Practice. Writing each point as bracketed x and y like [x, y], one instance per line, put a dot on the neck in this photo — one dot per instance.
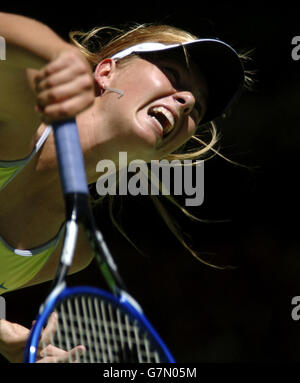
[98, 140]
[97, 143]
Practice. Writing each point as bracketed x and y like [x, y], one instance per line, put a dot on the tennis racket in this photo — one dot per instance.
[83, 323]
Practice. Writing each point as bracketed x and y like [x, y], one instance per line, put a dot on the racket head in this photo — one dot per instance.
[118, 333]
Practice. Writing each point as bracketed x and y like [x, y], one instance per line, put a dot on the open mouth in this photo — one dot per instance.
[164, 118]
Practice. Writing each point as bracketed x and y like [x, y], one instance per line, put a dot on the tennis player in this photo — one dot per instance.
[144, 92]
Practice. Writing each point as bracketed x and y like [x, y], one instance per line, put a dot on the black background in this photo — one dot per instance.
[205, 314]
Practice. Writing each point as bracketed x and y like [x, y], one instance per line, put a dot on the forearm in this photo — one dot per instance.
[29, 43]
[12, 340]
[3, 343]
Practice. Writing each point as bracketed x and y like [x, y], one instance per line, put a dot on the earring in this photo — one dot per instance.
[119, 92]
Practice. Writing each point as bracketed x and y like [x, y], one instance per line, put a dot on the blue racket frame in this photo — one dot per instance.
[123, 302]
[74, 187]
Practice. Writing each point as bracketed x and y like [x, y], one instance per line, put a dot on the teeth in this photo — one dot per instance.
[166, 113]
[167, 123]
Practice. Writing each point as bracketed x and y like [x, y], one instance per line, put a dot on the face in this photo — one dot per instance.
[163, 103]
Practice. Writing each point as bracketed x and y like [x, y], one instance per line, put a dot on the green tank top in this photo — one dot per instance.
[17, 267]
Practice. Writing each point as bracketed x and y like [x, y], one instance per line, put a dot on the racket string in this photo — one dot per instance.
[108, 334]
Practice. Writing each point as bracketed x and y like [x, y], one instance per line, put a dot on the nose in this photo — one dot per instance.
[186, 101]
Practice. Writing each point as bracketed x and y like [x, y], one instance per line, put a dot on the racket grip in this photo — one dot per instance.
[70, 158]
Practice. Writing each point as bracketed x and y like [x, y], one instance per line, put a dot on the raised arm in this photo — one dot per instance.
[29, 43]
[34, 53]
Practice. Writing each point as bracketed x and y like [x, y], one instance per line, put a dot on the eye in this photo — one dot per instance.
[172, 74]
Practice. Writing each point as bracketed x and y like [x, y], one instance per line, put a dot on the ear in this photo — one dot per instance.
[103, 74]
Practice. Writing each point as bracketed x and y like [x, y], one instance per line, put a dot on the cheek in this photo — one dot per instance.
[151, 83]
[130, 128]
[192, 129]
[188, 130]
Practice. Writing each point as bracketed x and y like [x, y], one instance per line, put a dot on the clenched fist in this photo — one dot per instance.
[64, 87]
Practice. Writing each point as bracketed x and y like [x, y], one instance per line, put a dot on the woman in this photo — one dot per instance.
[146, 101]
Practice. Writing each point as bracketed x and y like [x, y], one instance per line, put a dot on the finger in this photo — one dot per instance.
[68, 108]
[51, 351]
[54, 66]
[50, 329]
[53, 80]
[65, 90]
[53, 354]
[75, 354]
[61, 77]
[67, 60]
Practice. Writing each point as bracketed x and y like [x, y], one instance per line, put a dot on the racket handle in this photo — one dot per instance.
[70, 158]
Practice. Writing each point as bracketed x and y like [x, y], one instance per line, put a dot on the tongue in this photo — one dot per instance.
[163, 121]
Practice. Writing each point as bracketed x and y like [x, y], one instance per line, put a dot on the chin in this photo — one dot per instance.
[148, 134]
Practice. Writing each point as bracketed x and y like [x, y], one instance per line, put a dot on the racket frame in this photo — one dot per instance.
[125, 300]
[78, 211]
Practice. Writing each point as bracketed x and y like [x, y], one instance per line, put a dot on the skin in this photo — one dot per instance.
[107, 124]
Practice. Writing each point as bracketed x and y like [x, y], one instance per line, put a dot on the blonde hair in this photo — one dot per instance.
[104, 42]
